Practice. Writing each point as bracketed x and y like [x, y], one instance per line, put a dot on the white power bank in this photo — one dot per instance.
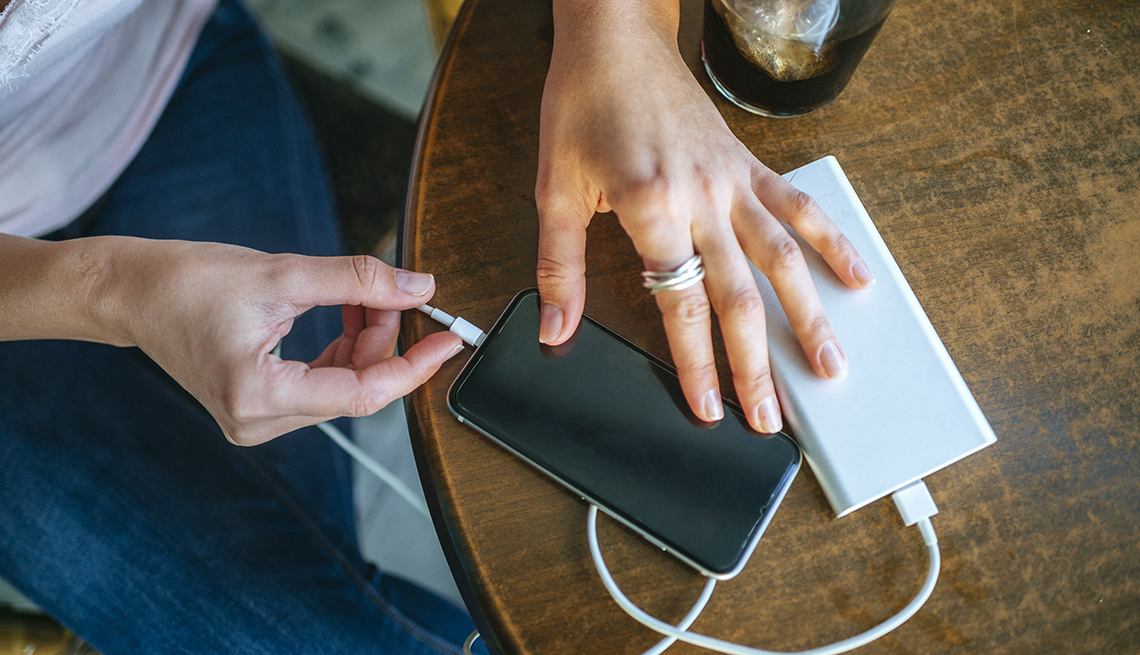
[903, 411]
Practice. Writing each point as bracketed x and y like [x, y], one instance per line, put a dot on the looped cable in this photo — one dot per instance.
[681, 634]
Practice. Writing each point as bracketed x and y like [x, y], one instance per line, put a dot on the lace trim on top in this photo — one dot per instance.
[24, 26]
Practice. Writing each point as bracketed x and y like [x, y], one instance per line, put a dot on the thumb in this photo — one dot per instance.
[359, 280]
[561, 270]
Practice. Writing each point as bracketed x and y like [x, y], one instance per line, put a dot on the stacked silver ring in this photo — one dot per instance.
[683, 277]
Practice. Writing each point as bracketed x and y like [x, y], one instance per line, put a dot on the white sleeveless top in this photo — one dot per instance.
[82, 83]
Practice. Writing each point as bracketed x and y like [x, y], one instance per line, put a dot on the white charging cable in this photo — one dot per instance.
[914, 504]
[376, 468]
[470, 334]
[660, 646]
[470, 642]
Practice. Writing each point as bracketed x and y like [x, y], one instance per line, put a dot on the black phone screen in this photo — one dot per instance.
[609, 421]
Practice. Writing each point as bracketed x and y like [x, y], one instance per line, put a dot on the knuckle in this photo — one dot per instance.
[367, 406]
[709, 185]
[654, 206]
[691, 309]
[238, 407]
[802, 205]
[743, 305]
[818, 327]
[373, 397]
[368, 270]
[836, 242]
[654, 188]
[238, 428]
[702, 372]
[548, 197]
[785, 254]
[553, 272]
[653, 193]
[560, 201]
[753, 381]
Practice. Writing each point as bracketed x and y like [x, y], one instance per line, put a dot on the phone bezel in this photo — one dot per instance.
[614, 512]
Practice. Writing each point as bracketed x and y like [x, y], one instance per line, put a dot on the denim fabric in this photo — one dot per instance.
[124, 512]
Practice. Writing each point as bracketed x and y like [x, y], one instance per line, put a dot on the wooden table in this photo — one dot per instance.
[997, 147]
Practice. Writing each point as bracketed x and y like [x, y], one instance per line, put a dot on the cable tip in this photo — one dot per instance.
[914, 502]
[469, 333]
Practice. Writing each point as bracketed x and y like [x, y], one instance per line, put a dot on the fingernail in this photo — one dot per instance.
[412, 283]
[551, 325]
[770, 421]
[454, 351]
[862, 274]
[832, 361]
[713, 410]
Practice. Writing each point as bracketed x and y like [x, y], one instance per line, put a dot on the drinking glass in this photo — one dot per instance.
[787, 57]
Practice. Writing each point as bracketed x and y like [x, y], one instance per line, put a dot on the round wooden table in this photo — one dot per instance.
[997, 147]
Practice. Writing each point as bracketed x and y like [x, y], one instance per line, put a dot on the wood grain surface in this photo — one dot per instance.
[995, 145]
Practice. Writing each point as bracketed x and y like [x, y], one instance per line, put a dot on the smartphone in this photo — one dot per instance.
[609, 421]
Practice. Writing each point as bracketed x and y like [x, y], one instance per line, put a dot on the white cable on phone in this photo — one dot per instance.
[915, 505]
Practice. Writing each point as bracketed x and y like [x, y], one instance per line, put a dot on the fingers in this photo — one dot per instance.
[377, 341]
[688, 326]
[561, 269]
[778, 256]
[369, 336]
[333, 391]
[740, 311]
[665, 242]
[295, 395]
[685, 314]
[796, 208]
[733, 295]
[281, 396]
[370, 294]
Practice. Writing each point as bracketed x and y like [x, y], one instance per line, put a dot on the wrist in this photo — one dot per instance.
[102, 268]
[87, 269]
[615, 24]
[53, 290]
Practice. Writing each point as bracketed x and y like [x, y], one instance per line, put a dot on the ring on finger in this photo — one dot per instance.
[682, 277]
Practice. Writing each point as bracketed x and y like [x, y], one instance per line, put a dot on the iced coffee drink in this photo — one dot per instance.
[787, 57]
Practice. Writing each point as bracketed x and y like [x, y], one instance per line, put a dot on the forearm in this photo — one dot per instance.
[55, 290]
[604, 22]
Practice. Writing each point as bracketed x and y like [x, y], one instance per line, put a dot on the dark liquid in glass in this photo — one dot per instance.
[754, 86]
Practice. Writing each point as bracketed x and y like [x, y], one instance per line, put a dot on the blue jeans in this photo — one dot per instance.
[124, 512]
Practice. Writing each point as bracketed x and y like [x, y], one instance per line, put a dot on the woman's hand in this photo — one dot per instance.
[626, 127]
[211, 315]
